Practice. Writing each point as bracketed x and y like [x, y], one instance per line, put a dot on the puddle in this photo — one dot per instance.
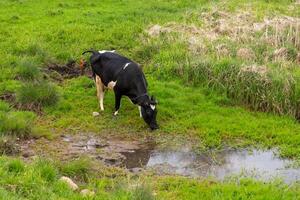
[262, 165]
[137, 155]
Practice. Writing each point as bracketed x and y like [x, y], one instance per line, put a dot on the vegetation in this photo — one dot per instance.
[275, 91]
[16, 123]
[40, 180]
[27, 71]
[225, 73]
[36, 95]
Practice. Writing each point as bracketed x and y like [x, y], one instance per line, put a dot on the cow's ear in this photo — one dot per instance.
[95, 57]
[153, 100]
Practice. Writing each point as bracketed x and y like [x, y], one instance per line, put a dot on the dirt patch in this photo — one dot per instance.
[111, 151]
[8, 97]
[71, 69]
[11, 99]
[8, 146]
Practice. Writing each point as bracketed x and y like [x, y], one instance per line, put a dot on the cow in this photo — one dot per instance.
[122, 75]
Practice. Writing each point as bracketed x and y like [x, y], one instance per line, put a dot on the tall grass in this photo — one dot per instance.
[142, 192]
[18, 123]
[257, 87]
[79, 168]
[27, 71]
[32, 95]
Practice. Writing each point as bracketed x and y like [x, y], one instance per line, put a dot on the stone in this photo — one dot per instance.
[95, 114]
[87, 193]
[136, 170]
[69, 182]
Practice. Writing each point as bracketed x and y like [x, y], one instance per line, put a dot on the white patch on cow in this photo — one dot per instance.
[111, 84]
[104, 51]
[140, 111]
[116, 112]
[126, 65]
[152, 107]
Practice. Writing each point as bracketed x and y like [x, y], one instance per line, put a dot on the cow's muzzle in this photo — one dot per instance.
[154, 126]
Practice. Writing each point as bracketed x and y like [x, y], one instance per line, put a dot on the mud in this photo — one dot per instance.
[8, 97]
[145, 155]
[112, 151]
[71, 69]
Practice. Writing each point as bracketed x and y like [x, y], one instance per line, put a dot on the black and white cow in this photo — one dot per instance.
[125, 78]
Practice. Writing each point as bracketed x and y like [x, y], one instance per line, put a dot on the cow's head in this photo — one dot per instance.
[149, 112]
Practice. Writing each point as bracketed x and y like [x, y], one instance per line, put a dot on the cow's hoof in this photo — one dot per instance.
[116, 113]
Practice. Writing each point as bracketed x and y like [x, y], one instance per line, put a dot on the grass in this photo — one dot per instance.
[28, 71]
[36, 95]
[19, 180]
[255, 87]
[16, 123]
[206, 89]
[79, 169]
[142, 192]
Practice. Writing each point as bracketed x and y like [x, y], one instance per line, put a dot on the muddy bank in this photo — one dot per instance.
[112, 151]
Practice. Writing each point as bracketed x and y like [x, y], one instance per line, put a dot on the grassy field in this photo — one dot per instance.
[225, 73]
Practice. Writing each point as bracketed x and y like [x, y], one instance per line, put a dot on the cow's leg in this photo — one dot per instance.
[117, 102]
[100, 91]
[140, 111]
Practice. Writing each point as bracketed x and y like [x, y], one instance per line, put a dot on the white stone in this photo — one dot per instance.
[95, 114]
[69, 182]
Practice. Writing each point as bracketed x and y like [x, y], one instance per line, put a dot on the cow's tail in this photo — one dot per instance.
[90, 51]
[82, 63]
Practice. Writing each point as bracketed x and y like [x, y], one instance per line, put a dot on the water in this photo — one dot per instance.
[262, 165]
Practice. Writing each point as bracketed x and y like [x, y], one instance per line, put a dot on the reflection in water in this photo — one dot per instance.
[137, 158]
[263, 165]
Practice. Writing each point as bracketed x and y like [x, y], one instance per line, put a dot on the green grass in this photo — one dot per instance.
[16, 123]
[27, 71]
[203, 94]
[255, 87]
[36, 94]
[79, 169]
[40, 180]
